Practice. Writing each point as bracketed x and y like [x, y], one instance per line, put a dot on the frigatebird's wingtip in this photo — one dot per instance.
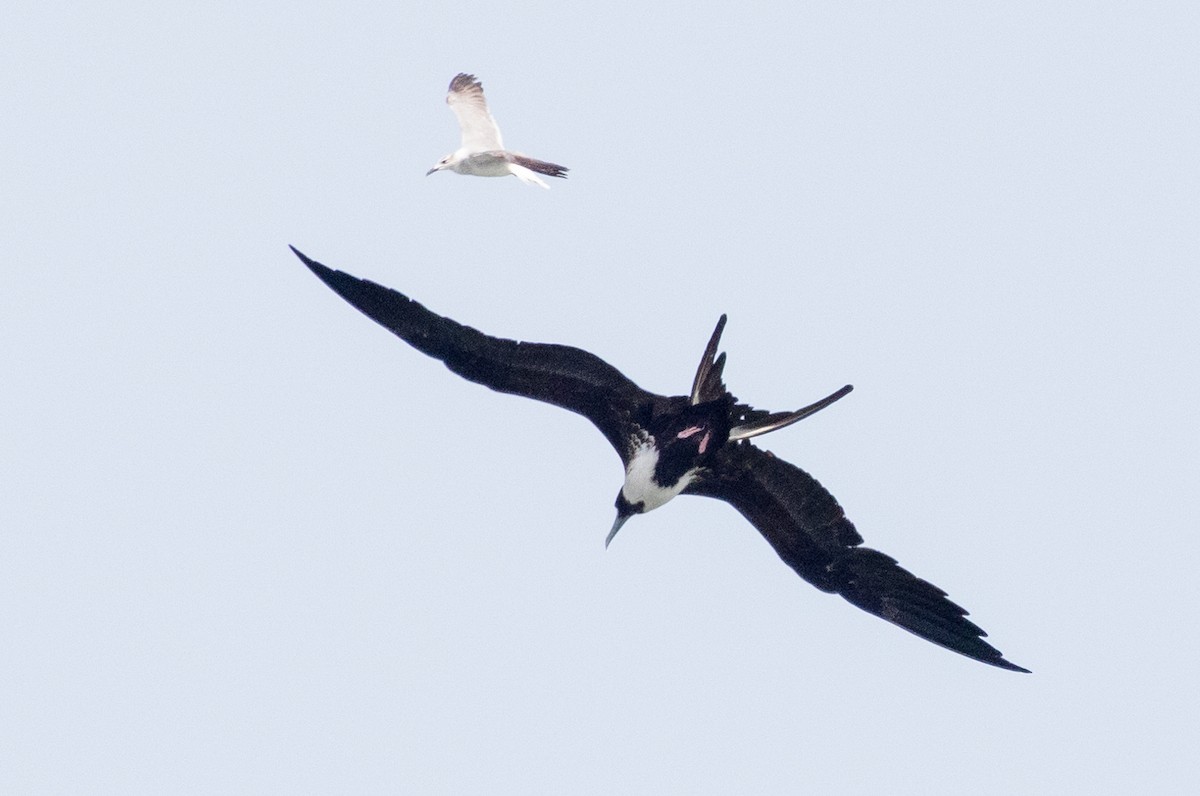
[998, 661]
[304, 258]
[323, 272]
[1012, 667]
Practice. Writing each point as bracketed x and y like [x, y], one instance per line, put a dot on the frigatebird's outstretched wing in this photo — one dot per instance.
[809, 530]
[557, 374]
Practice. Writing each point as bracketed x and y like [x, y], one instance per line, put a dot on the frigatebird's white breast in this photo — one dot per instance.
[700, 440]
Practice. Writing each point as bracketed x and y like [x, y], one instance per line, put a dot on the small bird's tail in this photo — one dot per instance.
[527, 176]
[540, 166]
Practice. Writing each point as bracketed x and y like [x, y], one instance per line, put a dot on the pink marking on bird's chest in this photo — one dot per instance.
[692, 431]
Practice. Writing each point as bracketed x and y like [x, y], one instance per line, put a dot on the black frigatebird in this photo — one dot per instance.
[694, 444]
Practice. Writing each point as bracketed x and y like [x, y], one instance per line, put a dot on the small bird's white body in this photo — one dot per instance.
[490, 164]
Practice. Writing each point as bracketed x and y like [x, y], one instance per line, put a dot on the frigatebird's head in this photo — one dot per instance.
[673, 447]
[671, 452]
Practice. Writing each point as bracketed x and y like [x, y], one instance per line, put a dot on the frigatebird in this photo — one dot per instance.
[695, 444]
[482, 153]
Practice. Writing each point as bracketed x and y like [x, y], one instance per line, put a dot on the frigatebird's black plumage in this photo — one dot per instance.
[695, 444]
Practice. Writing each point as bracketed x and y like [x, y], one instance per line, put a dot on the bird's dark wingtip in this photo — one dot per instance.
[964, 637]
[958, 634]
[322, 271]
[1012, 667]
[876, 583]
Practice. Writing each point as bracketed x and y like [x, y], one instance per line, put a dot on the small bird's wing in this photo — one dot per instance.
[810, 532]
[479, 129]
[557, 374]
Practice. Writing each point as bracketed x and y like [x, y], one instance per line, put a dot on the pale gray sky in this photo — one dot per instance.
[250, 542]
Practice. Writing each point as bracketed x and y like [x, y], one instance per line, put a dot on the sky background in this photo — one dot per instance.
[250, 542]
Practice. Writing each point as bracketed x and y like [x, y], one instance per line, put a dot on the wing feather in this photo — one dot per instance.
[479, 130]
[810, 532]
[561, 375]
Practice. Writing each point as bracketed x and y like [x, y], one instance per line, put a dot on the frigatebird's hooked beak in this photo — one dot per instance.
[625, 510]
[621, 518]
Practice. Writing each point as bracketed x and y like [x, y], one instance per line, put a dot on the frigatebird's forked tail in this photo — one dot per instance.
[709, 386]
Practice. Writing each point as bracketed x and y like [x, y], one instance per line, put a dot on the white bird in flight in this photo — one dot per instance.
[482, 153]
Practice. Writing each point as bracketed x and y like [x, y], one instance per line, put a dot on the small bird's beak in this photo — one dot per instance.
[431, 171]
[616, 527]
